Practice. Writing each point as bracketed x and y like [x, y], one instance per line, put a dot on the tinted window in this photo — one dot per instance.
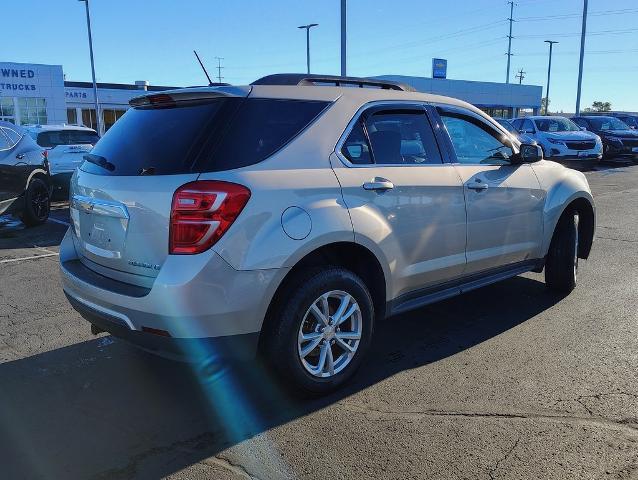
[356, 148]
[55, 138]
[608, 123]
[260, 128]
[204, 136]
[400, 137]
[528, 126]
[581, 122]
[631, 121]
[517, 123]
[475, 142]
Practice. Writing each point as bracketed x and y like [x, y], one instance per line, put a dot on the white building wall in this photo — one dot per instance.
[26, 80]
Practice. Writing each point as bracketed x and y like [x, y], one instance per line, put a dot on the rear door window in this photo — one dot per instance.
[55, 138]
[215, 135]
[402, 137]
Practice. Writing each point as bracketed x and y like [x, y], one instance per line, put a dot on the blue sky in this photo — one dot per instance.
[153, 40]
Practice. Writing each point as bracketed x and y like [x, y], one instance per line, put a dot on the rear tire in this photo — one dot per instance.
[310, 350]
[561, 267]
[37, 203]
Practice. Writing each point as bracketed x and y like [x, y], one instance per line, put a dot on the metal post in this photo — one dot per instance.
[343, 38]
[308, 27]
[582, 55]
[509, 46]
[549, 73]
[98, 118]
[308, 50]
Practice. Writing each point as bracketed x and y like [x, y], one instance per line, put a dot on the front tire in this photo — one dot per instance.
[561, 267]
[37, 203]
[321, 331]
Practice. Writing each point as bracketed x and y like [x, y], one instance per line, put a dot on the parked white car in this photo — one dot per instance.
[562, 140]
[65, 147]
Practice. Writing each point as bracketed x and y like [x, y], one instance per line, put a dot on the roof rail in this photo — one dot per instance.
[306, 79]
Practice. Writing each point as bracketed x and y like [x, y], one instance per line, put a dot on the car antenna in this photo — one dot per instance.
[210, 82]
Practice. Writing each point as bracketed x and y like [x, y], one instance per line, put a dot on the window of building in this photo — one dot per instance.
[33, 111]
[71, 116]
[111, 116]
[7, 110]
[88, 118]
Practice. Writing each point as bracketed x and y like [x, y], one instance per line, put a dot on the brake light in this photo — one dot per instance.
[202, 212]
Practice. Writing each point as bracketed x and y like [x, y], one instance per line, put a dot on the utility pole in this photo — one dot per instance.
[582, 55]
[549, 74]
[307, 28]
[98, 119]
[520, 76]
[219, 69]
[343, 38]
[509, 46]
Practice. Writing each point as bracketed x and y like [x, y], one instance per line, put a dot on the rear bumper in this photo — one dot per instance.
[195, 300]
[243, 347]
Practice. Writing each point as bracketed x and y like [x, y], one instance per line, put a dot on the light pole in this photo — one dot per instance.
[307, 28]
[343, 38]
[98, 119]
[582, 55]
[549, 73]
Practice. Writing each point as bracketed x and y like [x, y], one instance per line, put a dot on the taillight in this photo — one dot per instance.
[202, 212]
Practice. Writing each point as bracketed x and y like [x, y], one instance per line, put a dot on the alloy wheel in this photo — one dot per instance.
[329, 334]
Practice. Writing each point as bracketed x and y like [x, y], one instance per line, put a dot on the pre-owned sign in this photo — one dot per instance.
[13, 79]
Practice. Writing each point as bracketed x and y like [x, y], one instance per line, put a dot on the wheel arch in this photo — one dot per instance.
[586, 223]
[353, 256]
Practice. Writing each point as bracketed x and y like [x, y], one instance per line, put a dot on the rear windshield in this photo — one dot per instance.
[220, 134]
[55, 138]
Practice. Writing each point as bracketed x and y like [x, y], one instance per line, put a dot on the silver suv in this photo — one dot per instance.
[288, 216]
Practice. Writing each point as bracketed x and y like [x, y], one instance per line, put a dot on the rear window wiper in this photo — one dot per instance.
[100, 161]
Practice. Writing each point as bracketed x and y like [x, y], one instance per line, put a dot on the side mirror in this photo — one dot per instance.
[528, 153]
[583, 128]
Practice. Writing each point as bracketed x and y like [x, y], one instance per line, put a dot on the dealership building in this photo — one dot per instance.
[39, 94]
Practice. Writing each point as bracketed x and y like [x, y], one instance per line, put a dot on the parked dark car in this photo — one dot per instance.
[618, 138]
[25, 187]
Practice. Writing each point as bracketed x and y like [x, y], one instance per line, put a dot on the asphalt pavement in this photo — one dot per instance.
[509, 381]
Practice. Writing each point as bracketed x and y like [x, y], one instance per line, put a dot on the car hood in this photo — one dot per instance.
[621, 133]
[571, 136]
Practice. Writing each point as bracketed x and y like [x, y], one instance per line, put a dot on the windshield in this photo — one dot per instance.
[608, 123]
[556, 125]
[55, 138]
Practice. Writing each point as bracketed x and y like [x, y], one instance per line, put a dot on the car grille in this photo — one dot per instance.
[586, 145]
[630, 143]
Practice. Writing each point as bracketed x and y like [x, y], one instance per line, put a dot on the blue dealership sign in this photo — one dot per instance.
[439, 68]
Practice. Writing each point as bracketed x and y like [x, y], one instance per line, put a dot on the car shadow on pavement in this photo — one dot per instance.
[101, 409]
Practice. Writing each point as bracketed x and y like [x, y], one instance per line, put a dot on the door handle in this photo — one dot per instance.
[379, 184]
[20, 156]
[478, 186]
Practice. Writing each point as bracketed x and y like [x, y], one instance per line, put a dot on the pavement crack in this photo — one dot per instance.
[492, 471]
[626, 425]
[235, 468]
[131, 469]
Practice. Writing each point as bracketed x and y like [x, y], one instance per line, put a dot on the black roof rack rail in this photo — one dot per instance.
[308, 79]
